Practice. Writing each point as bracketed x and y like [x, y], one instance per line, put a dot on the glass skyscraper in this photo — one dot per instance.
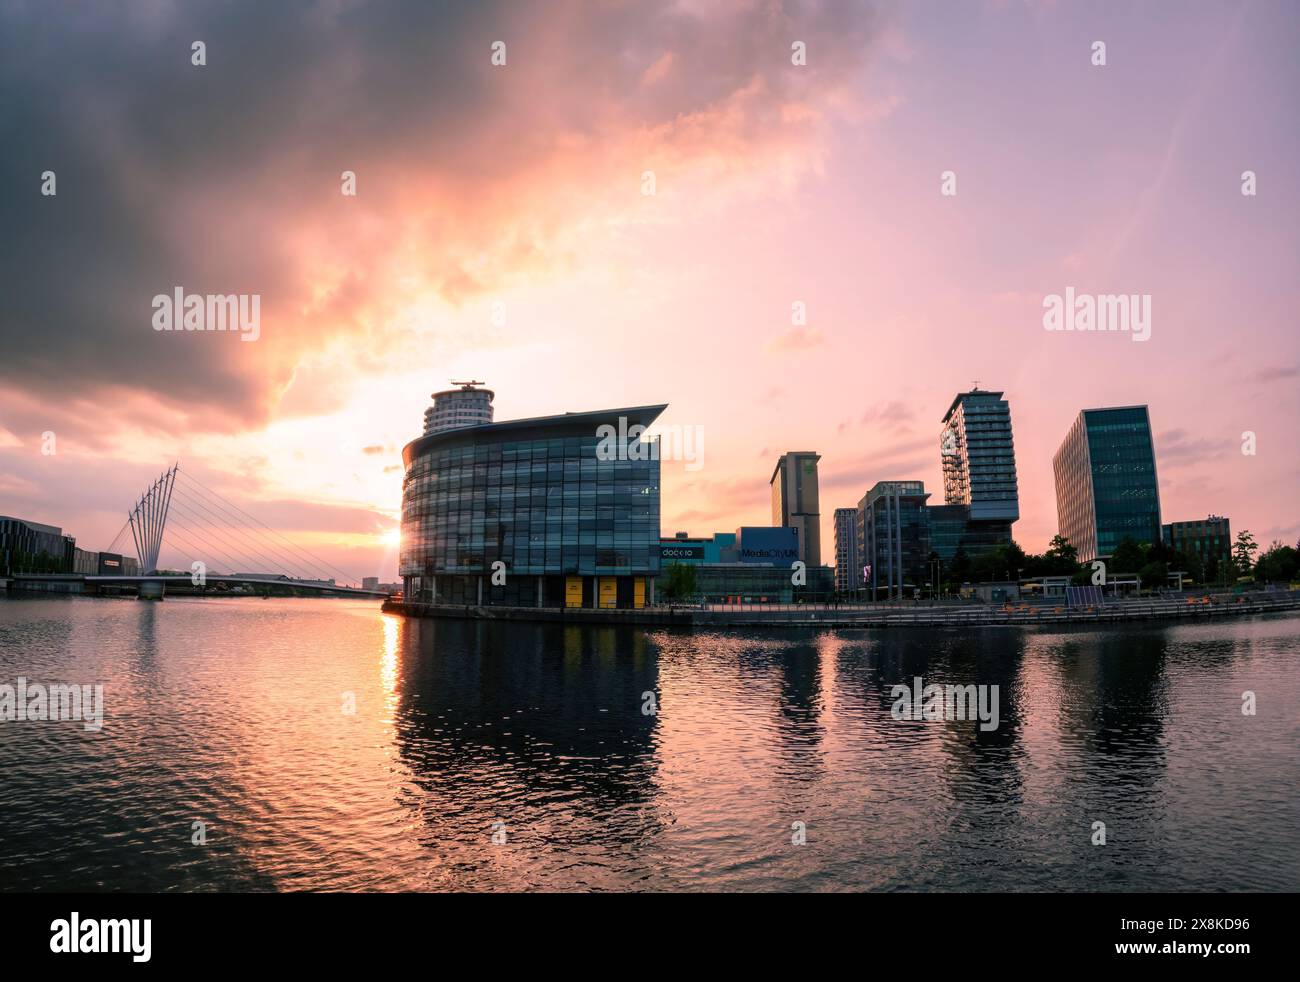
[1106, 487]
[569, 515]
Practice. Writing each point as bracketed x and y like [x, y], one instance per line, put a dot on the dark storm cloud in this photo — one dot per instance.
[105, 96]
[212, 178]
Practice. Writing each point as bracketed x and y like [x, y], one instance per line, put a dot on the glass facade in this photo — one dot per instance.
[893, 536]
[750, 583]
[536, 496]
[952, 529]
[898, 533]
[1106, 485]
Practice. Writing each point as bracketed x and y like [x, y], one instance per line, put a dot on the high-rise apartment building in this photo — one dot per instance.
[848, 573]
[795, 501]
[979, 457]
[452, 408]
[1106, 487]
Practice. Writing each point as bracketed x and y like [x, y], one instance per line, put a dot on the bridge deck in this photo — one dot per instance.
[209, 578]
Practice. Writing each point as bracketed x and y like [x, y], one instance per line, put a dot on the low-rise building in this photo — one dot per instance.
[754, 564]
[905, 543]
[27, 546]
[1206, 538]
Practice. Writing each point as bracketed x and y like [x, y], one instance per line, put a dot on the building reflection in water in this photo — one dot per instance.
[536, 732]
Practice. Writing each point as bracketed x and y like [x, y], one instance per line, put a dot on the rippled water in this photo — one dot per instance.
[231, 712]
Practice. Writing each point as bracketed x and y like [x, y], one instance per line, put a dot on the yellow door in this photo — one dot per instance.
[608, 591]
[573, 591]
[638, 592]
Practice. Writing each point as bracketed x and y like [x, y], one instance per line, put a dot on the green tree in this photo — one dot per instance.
[1154, 575]
[1243, 554]
[1060, 559]
[1003, 563]
[1279, 564]
[1128, 557]
[959, 572]
[1174, 560]
[1063, 547]
[679, 582]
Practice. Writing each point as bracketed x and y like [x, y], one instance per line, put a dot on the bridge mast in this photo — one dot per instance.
[148, 519]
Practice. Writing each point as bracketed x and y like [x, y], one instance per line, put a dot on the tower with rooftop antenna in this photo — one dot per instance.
[466, 405]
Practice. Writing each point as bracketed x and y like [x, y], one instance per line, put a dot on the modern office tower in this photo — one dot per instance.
[571, 524]
[893, 539]
[1106, 487]
[848, 574]
[466, 406]
[795, 504]
[1206, 538]
[979, 457]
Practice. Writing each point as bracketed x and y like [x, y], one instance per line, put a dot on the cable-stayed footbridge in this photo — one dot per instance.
[219, 544]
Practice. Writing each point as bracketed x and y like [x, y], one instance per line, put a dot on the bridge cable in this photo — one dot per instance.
[316, 561]
[211, 549]
[219, 521]
[313, 561]
[244, 556]
[198, 551]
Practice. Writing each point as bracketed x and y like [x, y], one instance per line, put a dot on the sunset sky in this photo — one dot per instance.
[523, 184]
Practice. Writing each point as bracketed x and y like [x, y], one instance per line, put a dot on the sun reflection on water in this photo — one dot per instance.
[388, 661]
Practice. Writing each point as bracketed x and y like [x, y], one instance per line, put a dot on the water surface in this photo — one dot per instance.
[232, 713]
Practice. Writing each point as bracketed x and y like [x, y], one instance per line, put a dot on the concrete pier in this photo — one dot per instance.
[718, 616]
[152, 589]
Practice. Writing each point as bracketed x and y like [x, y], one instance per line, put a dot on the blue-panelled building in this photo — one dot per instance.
[1106, 484]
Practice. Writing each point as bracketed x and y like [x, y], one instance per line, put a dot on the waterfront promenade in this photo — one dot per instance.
[957, 614]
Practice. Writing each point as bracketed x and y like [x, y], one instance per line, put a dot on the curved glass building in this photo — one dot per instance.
[546, 512]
